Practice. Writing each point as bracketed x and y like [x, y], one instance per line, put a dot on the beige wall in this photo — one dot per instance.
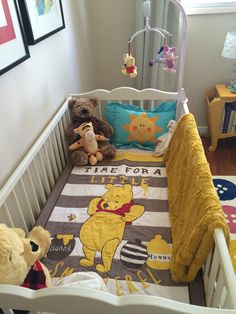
[204, 65]
[32, 91]
[112, 23]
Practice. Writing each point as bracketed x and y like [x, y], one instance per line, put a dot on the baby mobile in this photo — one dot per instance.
[165, 55]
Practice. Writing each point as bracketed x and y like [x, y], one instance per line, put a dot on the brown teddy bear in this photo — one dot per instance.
[82, 110]
[19, 257]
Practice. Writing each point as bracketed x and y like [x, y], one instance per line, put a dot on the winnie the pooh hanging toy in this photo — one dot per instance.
[129, 67]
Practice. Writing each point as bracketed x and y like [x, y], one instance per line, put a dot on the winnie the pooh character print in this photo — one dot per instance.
[104, 229]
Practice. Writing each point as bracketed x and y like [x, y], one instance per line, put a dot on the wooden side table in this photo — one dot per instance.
[215, 102]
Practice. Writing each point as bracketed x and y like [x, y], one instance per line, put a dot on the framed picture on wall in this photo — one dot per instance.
[41, 18]
[13, 47]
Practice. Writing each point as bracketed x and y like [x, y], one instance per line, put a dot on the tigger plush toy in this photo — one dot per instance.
[89, 141]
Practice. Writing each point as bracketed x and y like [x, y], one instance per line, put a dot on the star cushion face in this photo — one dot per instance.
[134, 127]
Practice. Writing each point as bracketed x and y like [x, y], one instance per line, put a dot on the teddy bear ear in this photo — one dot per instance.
[71, 103]
[20, 232]
[94, 102]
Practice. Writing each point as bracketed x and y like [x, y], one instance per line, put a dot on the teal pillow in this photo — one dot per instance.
[135, 127]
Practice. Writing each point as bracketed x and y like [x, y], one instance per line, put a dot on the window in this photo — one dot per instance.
[209, 6]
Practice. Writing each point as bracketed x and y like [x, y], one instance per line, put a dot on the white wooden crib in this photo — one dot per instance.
[27, 190]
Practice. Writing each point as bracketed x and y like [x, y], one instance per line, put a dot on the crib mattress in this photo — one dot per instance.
[113, 218]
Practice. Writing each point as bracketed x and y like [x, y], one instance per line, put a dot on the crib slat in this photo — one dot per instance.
[18, 208]
[218, 290]
[41, 189]
[36, 202]
[49, 169]
[30, 212]
[207, 267]
[212, 278]
[60, 148]
[65, 127]
[10, 222]
[227, 304]
[63, 141]
[46, 181]
[141, 104]
[64, 121]
[57, 152]
[152, 104]
[99, 109]
[67, 116]
[53, 164]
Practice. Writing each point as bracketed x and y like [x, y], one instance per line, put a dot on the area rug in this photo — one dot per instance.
[226, 189]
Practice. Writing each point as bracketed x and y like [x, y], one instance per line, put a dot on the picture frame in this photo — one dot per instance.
[41, 19]
[13, 46]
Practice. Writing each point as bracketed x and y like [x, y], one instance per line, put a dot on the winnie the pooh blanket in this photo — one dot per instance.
[113, 219]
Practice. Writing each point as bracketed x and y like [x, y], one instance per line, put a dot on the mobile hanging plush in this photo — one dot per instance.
[129, 67]
[159, 55]
[169, 58]
[166, 55]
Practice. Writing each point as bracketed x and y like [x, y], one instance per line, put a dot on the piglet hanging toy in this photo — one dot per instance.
[169, 58]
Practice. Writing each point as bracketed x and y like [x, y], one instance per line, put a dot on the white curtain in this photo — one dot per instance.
[145, 46]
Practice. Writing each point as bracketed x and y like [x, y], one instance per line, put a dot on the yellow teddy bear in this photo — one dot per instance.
[129, 67]
[104, 230]
[20, 255]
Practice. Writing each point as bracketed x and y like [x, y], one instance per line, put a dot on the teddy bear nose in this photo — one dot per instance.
[125, 64]
[34, 246]
[105, 205]
[84, 111]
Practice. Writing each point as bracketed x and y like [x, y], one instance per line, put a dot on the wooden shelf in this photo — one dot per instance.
[225, 135]
[215, 103]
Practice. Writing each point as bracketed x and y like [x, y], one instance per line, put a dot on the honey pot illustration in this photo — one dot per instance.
[159, 253]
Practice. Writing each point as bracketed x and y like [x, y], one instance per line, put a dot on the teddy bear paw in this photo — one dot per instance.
[86, 262]
[108, 151]
[101, 268]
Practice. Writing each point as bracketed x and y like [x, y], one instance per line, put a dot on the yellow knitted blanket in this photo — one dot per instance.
[194, 206]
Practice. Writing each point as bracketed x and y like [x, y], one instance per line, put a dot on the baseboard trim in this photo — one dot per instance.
[203, 130]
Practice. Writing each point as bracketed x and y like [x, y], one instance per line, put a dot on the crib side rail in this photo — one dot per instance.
[219, 278]
[128, 93]
[72, 300]
[25, 193]
[146, 99]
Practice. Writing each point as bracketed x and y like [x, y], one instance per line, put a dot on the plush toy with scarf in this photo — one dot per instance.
[19, 257]
[20, 261]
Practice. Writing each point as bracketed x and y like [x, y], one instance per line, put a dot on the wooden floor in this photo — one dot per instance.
[223, 160]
